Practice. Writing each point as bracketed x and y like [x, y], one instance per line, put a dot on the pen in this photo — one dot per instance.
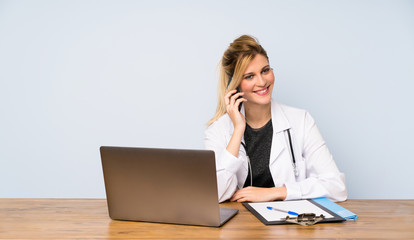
[281, 210]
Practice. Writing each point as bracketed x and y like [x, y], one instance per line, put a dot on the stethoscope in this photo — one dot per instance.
[291, 153]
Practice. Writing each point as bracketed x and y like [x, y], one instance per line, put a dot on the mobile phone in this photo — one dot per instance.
[240, 105]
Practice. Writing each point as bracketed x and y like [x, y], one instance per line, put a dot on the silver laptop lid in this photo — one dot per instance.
[161, 185]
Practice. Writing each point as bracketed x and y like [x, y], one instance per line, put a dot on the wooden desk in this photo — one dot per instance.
[88, 218]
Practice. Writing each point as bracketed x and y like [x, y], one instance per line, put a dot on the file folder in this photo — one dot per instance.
[341, 211]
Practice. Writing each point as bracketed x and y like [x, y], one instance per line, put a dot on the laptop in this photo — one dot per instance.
[163, 185]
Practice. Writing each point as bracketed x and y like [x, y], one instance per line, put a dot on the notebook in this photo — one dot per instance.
[162, 185]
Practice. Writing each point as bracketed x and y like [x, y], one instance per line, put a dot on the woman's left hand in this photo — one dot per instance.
[258, 194]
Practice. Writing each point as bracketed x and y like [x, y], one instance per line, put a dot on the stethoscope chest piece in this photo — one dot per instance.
[295, 170]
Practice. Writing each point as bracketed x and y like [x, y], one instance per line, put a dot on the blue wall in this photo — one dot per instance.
[75, 75]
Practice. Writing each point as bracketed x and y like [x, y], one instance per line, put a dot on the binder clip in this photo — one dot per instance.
[305, 219]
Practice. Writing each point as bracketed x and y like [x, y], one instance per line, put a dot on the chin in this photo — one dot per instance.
[262, 101]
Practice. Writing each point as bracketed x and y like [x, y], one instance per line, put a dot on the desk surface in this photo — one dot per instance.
[88, 218]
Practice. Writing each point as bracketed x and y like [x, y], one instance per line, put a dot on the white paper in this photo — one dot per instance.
[298, 206]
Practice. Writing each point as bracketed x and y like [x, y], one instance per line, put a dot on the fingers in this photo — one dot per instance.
[227, 96]
[231, 96]
[235, 96]
[257, 194]
[233, 99]
[235, 198]
[239, 101]
[242, 195]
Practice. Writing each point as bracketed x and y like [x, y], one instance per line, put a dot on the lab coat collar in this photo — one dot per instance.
[279, 120]
[280, 124]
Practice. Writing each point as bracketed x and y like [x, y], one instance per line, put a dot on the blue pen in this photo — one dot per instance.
[281, 210]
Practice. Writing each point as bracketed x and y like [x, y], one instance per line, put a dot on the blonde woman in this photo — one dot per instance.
[265, 151]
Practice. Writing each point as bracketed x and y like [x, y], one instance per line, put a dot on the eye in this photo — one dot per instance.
[248, 77]
[266, 70]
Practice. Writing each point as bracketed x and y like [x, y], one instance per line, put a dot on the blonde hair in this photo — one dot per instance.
[232, 66]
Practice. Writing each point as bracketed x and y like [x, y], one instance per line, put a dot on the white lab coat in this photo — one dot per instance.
[317, 174]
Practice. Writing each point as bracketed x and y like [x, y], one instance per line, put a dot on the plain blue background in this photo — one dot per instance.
[75, 75]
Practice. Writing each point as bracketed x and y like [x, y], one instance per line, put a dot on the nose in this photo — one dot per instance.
[260, 80]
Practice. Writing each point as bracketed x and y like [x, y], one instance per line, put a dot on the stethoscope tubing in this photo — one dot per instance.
[291, 148]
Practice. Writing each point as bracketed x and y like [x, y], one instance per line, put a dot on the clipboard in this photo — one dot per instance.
[269, 217]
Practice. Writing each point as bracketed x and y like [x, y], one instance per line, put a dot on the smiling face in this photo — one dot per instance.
[257, 81]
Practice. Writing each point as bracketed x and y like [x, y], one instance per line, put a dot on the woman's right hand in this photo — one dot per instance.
[232, 101]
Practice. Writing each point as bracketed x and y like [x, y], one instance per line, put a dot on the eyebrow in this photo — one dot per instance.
[252, 72]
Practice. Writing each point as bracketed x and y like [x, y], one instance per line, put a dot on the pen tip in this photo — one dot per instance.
[270, 208]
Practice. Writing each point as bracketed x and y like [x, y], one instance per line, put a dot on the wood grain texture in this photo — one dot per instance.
[88, 219]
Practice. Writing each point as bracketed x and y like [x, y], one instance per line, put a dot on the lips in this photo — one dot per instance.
[262, 92]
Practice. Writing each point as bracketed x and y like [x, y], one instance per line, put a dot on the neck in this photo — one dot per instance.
[257, 115]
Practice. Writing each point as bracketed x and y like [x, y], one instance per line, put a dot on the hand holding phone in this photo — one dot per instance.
[233, 101]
